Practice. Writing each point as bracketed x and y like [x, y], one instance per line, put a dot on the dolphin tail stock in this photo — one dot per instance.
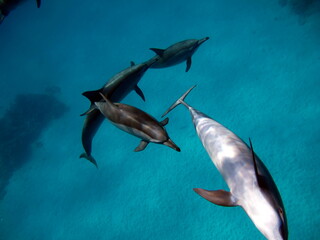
[90, 158]
[179, 101]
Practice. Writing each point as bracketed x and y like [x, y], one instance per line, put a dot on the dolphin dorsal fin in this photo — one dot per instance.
[164, 121]
[158, 51]
[218, 197]
[253, 158]
[132, 63]
[260, 179]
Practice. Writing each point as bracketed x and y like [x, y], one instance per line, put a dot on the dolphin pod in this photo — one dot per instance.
[6, 6]
[118, 87]
[250, 183]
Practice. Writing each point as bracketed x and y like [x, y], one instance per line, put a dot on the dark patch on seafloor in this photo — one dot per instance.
[20, 127]
[303, 8]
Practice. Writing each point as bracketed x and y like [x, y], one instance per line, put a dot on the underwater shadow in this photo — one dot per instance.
[303, 8]
[20, 127]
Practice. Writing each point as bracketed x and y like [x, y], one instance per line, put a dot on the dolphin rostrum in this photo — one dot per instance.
[6, 6]
[250, 183]
[118, 87]
[177, 53]
[137, 123]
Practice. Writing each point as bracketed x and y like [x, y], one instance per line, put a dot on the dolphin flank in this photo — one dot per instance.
[250, 183]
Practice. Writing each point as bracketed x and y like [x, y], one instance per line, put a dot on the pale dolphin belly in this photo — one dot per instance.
[229, 153]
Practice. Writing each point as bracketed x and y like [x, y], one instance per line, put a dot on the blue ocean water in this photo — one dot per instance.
[258, 75]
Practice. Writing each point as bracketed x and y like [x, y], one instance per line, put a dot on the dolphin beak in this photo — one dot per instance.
[171, 144]
[203, 40]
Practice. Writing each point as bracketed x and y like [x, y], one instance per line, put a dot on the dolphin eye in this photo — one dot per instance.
[280, 211]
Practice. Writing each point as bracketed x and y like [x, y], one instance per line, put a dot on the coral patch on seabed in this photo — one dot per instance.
[20, 127]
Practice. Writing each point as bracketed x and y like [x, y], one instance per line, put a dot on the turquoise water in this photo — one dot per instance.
[258, 75]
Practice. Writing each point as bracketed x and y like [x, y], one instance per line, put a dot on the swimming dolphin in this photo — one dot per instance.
[251, 185]
[137, 123]
[177, 53]
[6, 6]
[118, 87]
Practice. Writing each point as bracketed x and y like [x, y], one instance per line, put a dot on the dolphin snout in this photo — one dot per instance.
[171, 144]
[203, 40]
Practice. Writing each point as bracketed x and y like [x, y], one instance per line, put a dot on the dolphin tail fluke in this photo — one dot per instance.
[158, 51]
[219, 197]
[38, 3]
[179, 101]
[93, 96]
[90, 158]
[171, 144]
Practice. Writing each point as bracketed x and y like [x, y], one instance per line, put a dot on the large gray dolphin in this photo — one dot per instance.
[137, 123]
[118, 87]
[6, 6]
[177, 53]
[250, 183]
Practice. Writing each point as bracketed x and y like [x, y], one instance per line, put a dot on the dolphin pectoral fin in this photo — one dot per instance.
[188, 64]
[90, 158]
[158, 51]
[38, 3]
[139, 92]
[143, 144]
[164, 121]
[219, 197]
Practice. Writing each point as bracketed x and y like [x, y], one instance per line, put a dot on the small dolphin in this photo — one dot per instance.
[251, 185]
[137, 123]
[177, 53]
[6, 6]
[118, 87]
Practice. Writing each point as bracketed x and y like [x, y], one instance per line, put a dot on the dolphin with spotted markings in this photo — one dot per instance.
[137, 123]
[177, 53]
[250, 183]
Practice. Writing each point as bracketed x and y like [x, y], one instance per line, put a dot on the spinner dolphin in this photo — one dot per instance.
[177, 53]
[250, 183]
